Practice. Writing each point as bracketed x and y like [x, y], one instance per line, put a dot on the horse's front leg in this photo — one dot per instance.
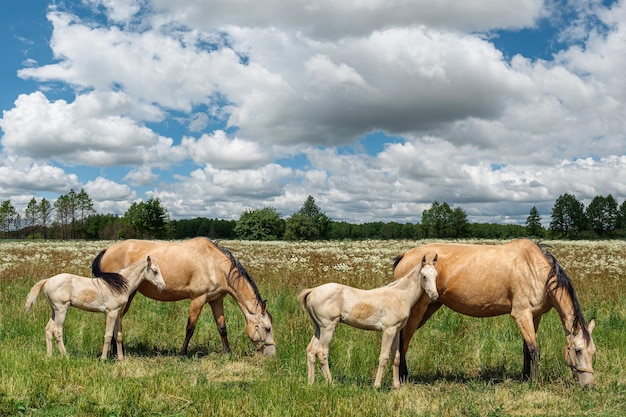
[526, 324]
[115, 347]
[108, 332]
[195, 308]
[421, 311]
[117, 331]
[217, 307]
[395, 351]
[531, 359]
[388, 337]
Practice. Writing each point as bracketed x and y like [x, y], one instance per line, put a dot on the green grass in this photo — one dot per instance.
[458, 365]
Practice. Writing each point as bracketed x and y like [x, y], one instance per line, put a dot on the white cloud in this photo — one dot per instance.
[329, 19]
[109, 196]
[91, 131]
[221, 152]
[141, 176]
[102, 189]
[305, 81]
[19, 175]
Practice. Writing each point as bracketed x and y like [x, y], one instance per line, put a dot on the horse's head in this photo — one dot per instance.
[259, 329]
[579, 353]
[153, 273]
[428, 278]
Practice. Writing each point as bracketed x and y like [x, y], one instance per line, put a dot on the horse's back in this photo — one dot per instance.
[60, 288]
[485, 280]
[189, 266]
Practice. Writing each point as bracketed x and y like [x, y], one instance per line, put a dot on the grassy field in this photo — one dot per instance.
[458, 365]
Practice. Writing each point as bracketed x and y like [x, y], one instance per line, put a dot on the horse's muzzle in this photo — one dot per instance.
[269, 350]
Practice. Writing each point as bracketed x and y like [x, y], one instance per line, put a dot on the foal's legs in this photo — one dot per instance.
[49, 335]
[311, 355]
[115, 347]
[108, 333]
[217, 307]
[54, 328]
[395, 351]
[117, 332]
[389, 344]
[319, 347]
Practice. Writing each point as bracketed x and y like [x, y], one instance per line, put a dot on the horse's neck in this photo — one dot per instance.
[564, 305]
[410, 285]
[243, 293]
[133, 275]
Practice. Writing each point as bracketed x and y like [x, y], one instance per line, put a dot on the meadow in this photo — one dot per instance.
[458, 365]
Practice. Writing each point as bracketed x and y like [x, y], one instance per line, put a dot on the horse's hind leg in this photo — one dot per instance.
[57, 327]
[311, 355]
[49, 335]
[326, 336]
[217, 307]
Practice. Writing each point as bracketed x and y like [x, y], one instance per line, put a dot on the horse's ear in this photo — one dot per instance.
[149, 261]
[435, 259]
[264, 306]
[591, 325]
[424, 260]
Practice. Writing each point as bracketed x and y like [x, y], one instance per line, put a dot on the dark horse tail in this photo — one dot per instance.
[115, 281]
[562, 281]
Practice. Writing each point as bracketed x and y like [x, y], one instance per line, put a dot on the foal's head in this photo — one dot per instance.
[579, 353]
[152, 273]
[428, 277]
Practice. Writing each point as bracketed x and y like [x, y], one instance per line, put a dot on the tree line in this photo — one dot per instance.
[72, 216]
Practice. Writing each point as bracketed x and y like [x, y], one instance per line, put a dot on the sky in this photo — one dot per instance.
[376, 108]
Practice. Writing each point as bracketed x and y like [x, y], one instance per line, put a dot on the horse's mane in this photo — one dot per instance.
[397, 260]
[562, 281]
[116, 282]
[237, 271]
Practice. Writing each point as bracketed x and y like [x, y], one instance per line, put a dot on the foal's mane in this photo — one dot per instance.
[116, 282]
[237, 272]
[562, 281]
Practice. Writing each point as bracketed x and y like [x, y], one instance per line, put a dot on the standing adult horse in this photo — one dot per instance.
[519, 278]
[200, 270]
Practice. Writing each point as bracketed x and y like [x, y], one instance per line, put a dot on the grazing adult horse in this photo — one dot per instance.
[108, 294]
[519, 278]
[385, 309]
[200, 270]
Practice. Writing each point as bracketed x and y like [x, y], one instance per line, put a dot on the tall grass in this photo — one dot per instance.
[458, 365]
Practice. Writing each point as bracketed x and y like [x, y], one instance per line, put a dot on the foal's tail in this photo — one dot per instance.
[34, 292]
[302, 298]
